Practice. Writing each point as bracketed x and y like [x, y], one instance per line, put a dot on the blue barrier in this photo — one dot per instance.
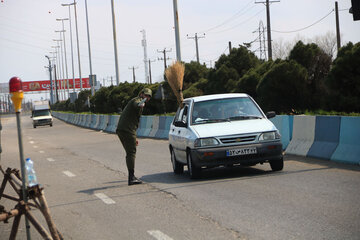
[348, 150]
[327, 132]
[164, 127]
[112, 125]
[87, 121]
[142, 126]
[282, 123]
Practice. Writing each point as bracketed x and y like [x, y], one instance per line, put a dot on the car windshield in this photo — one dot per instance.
[228, 109]
[39, 113]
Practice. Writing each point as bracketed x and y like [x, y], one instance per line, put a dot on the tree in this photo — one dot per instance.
[344, 79]
[240, 59]
[317, 64]
[194, 71]
[221, 80]
[283, 87]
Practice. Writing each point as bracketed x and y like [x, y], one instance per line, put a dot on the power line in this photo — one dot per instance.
[301, 29]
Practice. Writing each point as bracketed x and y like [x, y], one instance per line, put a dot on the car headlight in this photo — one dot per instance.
[206, 142]
[268, 136]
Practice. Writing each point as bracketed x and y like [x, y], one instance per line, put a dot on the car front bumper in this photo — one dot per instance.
[216, 156]
[43, 122]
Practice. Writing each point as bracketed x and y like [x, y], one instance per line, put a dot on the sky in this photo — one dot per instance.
[27, 30]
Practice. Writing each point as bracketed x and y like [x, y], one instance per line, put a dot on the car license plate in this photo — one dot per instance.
[241, 151]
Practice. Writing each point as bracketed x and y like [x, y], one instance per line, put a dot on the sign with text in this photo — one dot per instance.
[37, 86]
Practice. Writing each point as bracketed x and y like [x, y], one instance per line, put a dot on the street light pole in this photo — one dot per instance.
[88, 35]
[78, 48]
[62, 67]
[66, 68]
[71, 43]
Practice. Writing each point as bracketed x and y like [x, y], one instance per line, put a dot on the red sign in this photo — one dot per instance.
[35, 86]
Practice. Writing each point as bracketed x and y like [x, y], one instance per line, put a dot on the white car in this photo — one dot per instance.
[222, 130]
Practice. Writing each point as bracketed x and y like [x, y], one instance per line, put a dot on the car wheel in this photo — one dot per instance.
[194, 172]
[50, 125]
[177, 167]
[34, 126]
[277, 165]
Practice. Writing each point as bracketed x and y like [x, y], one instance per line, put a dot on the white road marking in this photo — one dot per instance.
[35, 146]
[104, 198]
[50, 159]
[41, 151]
[69, 174]
[159, 235]
[31, 142]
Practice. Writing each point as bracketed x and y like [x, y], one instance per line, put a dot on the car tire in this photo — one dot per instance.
[34, 126]
[178, 168]
[50, 125]
[194, 171]
[277, 165]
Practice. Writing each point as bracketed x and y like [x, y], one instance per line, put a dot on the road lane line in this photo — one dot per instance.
[104, 198]
[35, 146]
[50, 159]
[31, 142]
[159, 235]
[69, 174]
[41, 151]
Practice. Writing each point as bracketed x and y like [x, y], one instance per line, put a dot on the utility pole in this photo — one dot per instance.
[150, 70]
[261, 31]
[177, 31]
[164, 52]
[337, 26]
[229, 47]
[133, 70]
[56, 88]
[196, 44]
[143, 42]
[115, 44]
[51, 85]
[267, 4]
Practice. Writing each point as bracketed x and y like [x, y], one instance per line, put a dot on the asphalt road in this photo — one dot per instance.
[85, 180]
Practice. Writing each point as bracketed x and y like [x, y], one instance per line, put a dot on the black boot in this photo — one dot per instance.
[132, 179]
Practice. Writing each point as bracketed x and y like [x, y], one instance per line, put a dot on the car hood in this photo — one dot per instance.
[42, 117]
[233, 127]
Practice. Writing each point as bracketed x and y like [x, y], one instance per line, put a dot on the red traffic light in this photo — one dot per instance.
[15, 85]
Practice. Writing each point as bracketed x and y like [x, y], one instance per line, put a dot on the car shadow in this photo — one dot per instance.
[212, 174]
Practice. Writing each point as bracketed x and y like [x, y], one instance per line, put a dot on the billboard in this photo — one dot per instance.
[37, 86]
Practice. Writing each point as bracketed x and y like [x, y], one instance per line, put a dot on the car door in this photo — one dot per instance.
[179, 131]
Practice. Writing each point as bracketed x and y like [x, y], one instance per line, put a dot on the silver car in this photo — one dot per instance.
[221, 130]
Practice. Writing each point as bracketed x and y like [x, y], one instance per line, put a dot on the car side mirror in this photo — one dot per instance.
[180, 124]
[271, 114]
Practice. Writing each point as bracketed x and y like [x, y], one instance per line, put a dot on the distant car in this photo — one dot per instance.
[221, 130]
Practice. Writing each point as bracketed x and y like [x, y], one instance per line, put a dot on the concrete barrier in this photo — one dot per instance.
[145, 126]
[283, 124]
[303, 135]
[348, 150]
[327, 132]
[112, 125]
[164, 127]
[326, 137]
[154, 127]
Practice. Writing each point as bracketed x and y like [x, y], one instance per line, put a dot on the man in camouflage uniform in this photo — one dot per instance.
[126, 130]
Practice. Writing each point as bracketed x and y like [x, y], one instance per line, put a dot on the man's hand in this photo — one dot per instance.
[137, 142]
